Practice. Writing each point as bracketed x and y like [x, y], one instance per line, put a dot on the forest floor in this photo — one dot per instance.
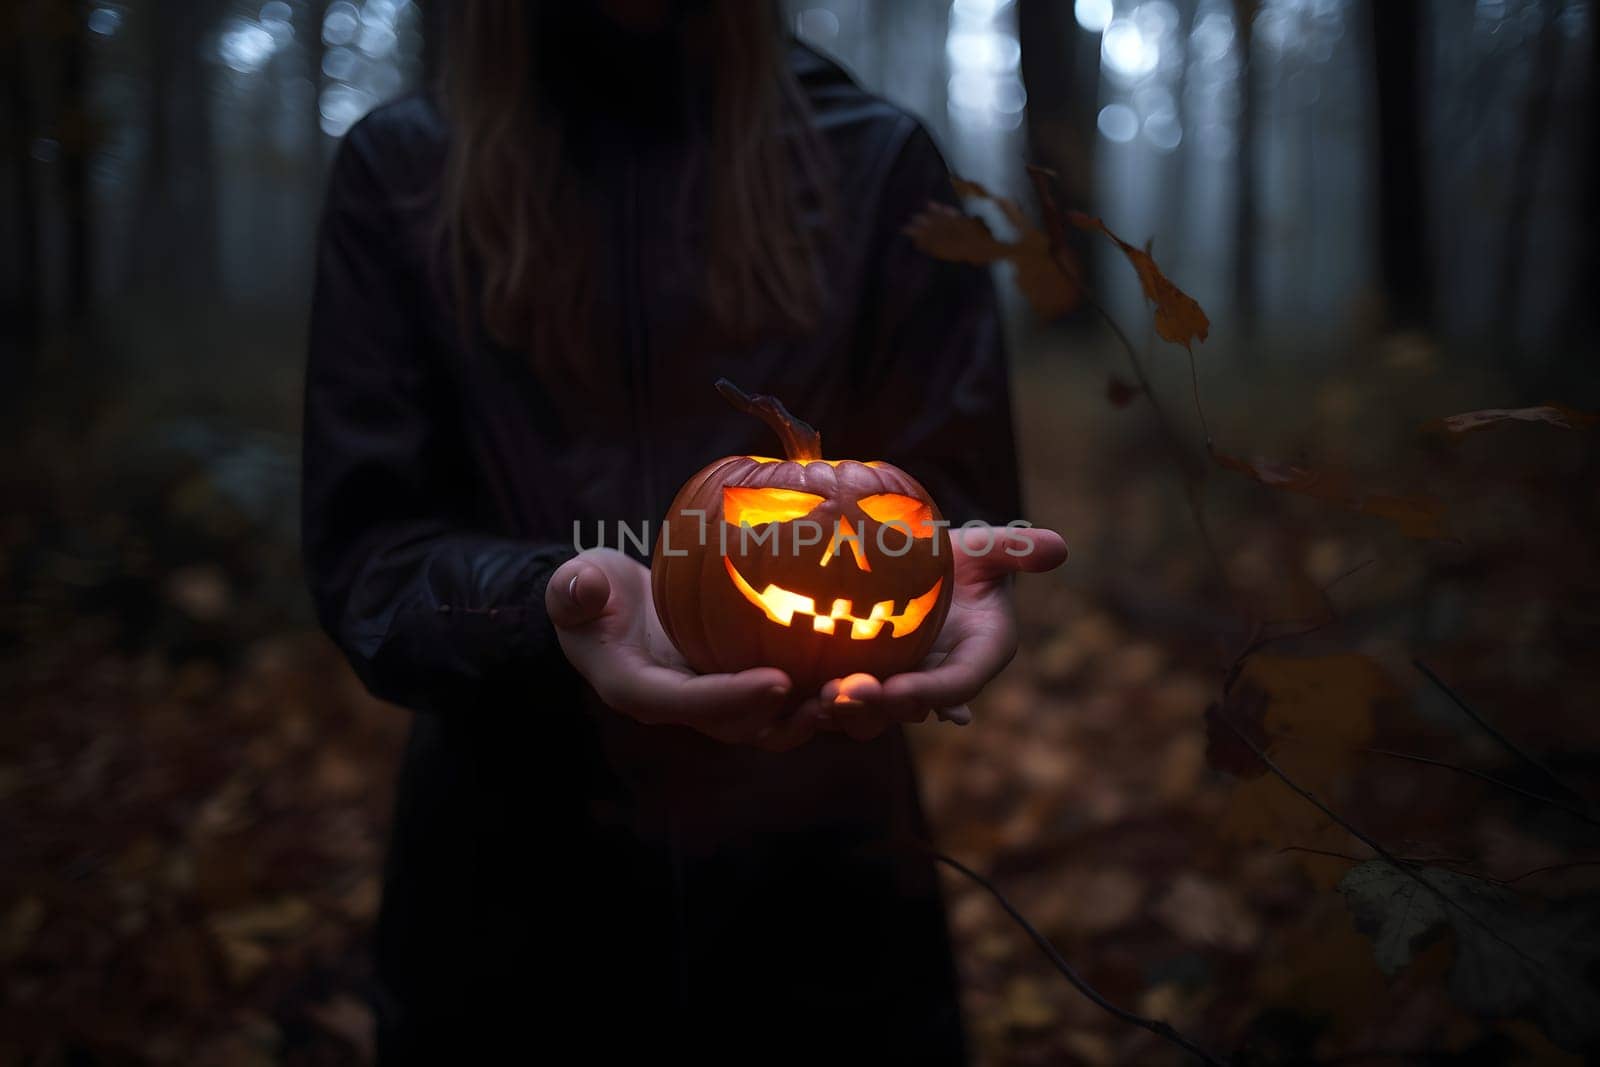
[194, 790]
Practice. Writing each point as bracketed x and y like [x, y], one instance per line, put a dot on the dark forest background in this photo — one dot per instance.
[1387, 209]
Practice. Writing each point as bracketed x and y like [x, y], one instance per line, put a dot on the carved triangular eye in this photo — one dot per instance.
[896, 509]
[745, 506]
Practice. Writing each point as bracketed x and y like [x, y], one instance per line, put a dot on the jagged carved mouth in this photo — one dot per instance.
[781, 606]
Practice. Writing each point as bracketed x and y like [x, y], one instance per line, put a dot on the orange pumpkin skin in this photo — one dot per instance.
[867, 605]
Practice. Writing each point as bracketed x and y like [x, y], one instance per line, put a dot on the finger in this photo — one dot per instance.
[577, 594]
[859, 695]
[902, 710]
[647, 690]
[819, 710]
[789, 733]
[961, 715]
[994, 551]
[858, 704]
[853, 690]
[864, 724]
[962, 674]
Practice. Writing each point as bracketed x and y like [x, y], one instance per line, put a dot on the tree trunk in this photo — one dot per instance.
[22, 312]
[77, 143]
[1534, 135]
[1245, 304]
[1581, 316]
[1061, 73]
[1402, 197]
[176, 232]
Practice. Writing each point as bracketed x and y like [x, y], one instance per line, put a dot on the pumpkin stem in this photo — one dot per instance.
[800, 440]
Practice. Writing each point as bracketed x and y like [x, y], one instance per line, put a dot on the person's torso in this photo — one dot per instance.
[569, 460]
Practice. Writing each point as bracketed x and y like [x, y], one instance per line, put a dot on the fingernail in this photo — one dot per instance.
[778, 692]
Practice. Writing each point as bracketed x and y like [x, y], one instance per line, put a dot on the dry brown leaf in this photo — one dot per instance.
[201, 591]
[1246, 708]
[1179, 319]
[1558, 415]
[242, 958]
[1026, 1007]
[284, 917]
[1008, 207]
[1091, 901]
[1181, 767]
[1095, 1050]
[1170, 1002]
[1321, 966]
[1055, 224]
[1319, 713]
[21, 923]
[1204, 912]
[954, 236]
[1326, 703]
[1419, 517]
[361, 901]
[350, 1020]
[970, 189]
[1050, 293]
[945, 233]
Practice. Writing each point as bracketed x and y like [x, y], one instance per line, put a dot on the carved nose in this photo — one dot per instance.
[845, 534]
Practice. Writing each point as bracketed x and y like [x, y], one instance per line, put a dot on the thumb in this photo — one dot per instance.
[577, 594]
[999, 550]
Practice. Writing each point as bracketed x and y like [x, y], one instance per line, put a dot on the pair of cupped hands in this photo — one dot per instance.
[605, 618]
[604, 614]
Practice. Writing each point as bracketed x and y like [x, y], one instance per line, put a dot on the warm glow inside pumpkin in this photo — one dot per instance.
[782, 605]
[822, 568]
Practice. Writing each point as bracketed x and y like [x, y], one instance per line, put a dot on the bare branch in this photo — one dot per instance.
[1489, 729]
[1491, 779]
[1350, 828]
[1186, 465]
[1155, 1026]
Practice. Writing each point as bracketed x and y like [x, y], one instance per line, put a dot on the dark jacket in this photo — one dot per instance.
[558, 872]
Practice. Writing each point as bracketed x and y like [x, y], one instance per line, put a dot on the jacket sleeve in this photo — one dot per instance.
[429, 608]
[936, 399]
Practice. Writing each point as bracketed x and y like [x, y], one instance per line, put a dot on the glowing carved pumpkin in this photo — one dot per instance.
[821, 568]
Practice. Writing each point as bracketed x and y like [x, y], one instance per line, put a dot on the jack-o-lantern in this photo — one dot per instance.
[821, 568]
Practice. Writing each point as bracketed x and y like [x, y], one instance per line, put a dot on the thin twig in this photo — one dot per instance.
[1358, 568]
[1155, 1026]
[1137, 366]
[1383, 853]
[1322, 852]
[1456, 864]
[1491, 779]
[1199, 409]
[1185, 464]
[1144, 381]
[1311, 626]
[1362, 1055]
[1488, 728]
[1327, 600]
[1552, 867]
[1307, 628]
